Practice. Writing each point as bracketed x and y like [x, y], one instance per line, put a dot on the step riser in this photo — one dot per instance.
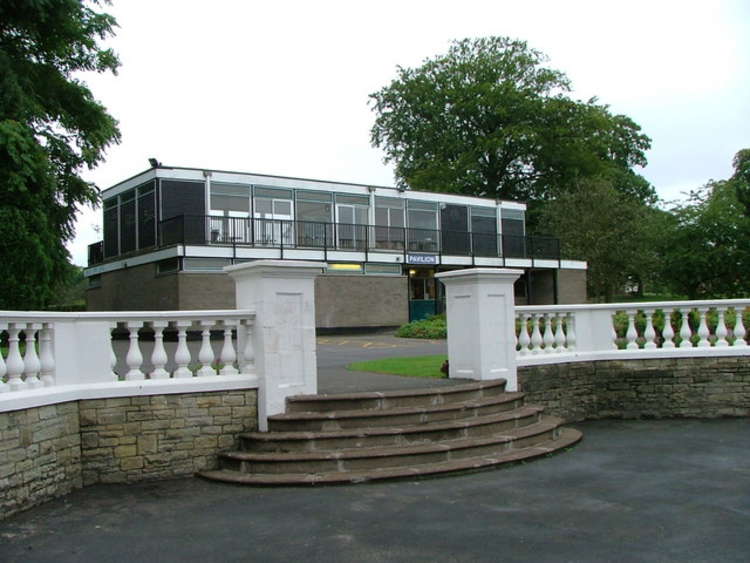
[369, 463]
[395, 420]
[420, 437]
[333, 404]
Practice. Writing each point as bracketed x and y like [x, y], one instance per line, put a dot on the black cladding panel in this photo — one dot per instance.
[180, 197]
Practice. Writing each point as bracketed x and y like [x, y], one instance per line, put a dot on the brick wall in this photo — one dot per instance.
[40, 455]
[658, 388]
[45, 452]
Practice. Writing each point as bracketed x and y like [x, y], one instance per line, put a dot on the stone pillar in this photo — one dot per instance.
[282, 294]
[480, 309]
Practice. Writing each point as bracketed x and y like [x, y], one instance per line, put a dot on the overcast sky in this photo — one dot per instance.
[282, 87]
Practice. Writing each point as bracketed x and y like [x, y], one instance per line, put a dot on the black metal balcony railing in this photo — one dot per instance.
[283, 234]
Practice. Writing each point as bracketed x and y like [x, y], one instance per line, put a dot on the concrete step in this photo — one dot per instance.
[389, 435]
[357, 459]
[398, 416]
[394, 399]
[565, 437]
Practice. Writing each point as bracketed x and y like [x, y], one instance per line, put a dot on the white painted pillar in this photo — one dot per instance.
[480, 307]
[282, 294]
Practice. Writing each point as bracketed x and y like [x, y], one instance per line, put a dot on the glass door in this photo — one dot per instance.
[351, 226]
[274, 222]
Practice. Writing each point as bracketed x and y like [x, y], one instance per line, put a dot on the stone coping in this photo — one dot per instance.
[17, 400]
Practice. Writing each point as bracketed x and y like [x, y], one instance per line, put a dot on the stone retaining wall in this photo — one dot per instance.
[658, 388]
[40, 455]
[45, 452]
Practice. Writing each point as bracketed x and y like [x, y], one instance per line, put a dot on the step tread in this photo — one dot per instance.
[392, 430]
[332, 415]
[444, 390]
[546, 424]
[567, 437]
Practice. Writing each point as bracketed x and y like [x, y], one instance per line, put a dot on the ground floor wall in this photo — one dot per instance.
[45, 452]
[658, 388]
[341, 301]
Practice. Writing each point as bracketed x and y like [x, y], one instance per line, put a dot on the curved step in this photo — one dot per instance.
[566, 438]
[399, 416]
[357, 459]
[393, 399]
[389, 435]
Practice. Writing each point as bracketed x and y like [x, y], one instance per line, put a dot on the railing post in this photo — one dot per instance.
[480, 309]
[282, 293]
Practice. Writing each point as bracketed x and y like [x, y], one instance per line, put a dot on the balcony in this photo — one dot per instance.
[311, 235]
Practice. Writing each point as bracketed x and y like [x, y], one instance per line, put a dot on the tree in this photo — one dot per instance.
[51, 127]
[490, 119]
[741, 178]
[612, 231]
[707, 253]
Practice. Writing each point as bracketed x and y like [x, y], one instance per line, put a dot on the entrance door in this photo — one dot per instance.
[423, 294]
[274, 222]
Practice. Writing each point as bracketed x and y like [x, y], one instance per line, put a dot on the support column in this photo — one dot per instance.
[480, 308]
[282, 294]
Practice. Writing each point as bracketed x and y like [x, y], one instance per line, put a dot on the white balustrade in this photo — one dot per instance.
[228, 356]
[644, 329]
[206, 354]
[4, 387]
[549, 337]
[31, 364]
[38, 344]
[159, 354]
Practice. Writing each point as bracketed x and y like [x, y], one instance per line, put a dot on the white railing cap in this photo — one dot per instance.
[647, 305]
[23, 316]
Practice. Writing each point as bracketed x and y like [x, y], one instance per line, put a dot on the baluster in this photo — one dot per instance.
[4, 387]
[206, 353]
[667, 333]
[247, 366]
[112, 355]
[721, 330]
[570, 321]
[182, 354]
[31, 363]
[536, 336]
[549, 337]
[685, 332]
[46, 356]
[228, 355]
[14, 361]
[134, 359]
[524, 340]
[649, 333]
[159, 354]
[703, 331]
[559, 333]
[739, 328]
[632, 334]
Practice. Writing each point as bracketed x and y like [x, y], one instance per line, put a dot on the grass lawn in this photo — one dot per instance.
[418, 366]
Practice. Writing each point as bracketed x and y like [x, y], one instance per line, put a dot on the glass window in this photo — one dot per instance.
[146, 217]
[230, 197]
[305, 195]
[349, 268]
[168, 266]
[314, 211]
[127, 222]
[390, 269]
[353, 199]
[274, 193]
[205, 264]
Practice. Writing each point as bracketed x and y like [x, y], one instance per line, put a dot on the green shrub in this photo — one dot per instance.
[431, 327]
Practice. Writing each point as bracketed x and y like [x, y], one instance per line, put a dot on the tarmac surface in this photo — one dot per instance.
[668, 490]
